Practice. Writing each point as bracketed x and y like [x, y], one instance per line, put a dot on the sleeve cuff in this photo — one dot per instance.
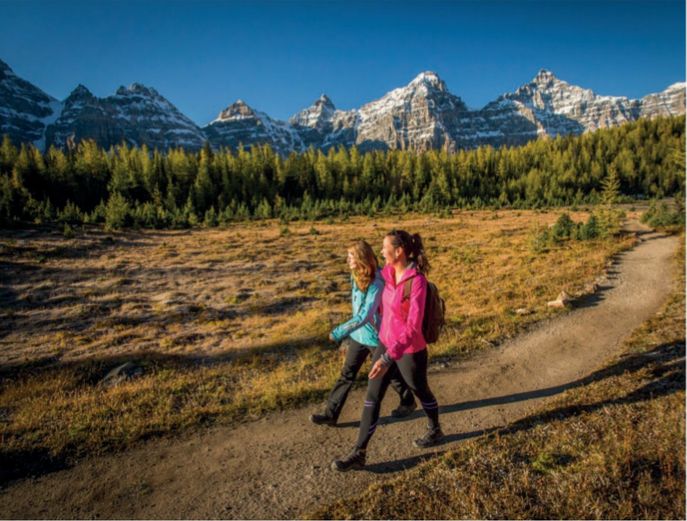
[386, 359]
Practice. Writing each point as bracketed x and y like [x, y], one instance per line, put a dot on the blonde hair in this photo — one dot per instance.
[365, 258]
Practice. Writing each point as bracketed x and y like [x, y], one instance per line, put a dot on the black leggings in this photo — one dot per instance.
[413, 368]
[356, 354]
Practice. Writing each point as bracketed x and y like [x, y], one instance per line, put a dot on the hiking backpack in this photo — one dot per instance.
[435, 311]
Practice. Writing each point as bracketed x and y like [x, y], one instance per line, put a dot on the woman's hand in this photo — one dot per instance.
[331, 338]
[378, 369]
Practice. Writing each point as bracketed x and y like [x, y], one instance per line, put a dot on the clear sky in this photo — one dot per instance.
[279, 56]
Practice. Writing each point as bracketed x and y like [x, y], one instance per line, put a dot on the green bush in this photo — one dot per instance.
[563, 229]
[590, 229]
[68, 231]
[210, 219]
[117, 212]
[70, 214]
[539, 240]
[662, 217]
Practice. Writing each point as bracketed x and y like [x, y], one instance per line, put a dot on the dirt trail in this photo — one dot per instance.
[278, 467]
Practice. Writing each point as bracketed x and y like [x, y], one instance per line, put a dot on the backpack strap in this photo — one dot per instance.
[406, 289]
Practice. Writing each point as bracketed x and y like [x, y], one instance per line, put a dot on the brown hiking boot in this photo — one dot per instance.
[432, 437]
[403, 410]
[322, 419]
[355, 460]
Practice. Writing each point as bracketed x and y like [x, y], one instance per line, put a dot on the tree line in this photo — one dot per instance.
[135, 186]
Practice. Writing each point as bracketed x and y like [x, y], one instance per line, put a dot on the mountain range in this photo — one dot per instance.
[422, 115]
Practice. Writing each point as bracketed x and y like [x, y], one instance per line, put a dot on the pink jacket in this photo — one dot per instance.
[401, 327]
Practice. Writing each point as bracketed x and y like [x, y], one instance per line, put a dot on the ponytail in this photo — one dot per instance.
[419, 255]
[413, 248]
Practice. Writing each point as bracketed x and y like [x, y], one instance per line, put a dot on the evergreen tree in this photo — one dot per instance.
[117, 212]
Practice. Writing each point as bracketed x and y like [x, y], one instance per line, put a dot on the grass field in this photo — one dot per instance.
[228, 324]
[611, 449]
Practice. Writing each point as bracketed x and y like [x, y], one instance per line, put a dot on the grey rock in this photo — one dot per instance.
[125, 372]
[562, 301]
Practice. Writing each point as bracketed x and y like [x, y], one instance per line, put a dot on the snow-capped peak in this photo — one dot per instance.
[6, 68]
[544, 75]
[236, 111]
[320, 112]
[324, 101]
[680, 85]
[137, 89]
[80, 91]
[545, 80]
[426, 85]
[428, 79]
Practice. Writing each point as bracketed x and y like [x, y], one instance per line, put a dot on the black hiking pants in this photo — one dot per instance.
[356, 354]
[412, 368]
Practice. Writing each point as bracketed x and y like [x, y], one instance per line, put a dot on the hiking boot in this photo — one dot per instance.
[355, 460]
[322, 419]
[431, 437]
[403, 410]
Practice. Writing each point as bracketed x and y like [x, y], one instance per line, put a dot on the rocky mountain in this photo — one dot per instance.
[556, 107]
[424, 114]
[136, 115]
[239, 124]
[322, 126]
[25, 110]
[421, 115]
[670, 101]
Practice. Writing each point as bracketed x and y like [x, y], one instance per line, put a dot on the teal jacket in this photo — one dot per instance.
[364, 324]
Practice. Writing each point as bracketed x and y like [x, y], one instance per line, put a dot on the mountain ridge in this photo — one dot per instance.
[423, 114]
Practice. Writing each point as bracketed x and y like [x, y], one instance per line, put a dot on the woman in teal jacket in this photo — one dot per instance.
[359, 335]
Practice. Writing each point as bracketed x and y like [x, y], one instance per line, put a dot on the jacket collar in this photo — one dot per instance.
[389, 274]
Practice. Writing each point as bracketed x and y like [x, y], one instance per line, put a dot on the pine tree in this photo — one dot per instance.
[609, 216]
[117, 212]
[8, 155]
[203, 187]
[610, 187]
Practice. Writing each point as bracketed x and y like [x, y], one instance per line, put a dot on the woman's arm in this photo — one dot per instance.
[413, 324]
[364, 315]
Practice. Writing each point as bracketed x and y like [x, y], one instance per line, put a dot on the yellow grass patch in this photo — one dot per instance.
[230, 323]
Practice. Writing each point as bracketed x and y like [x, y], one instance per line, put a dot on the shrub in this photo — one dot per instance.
[539, 240]
[117, 212]
[70, 214]
[590, 229]
[661, 216]
[210, 219]
[67, 231]
[563, 229]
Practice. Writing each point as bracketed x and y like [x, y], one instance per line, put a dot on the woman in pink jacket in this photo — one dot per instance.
[403, 348]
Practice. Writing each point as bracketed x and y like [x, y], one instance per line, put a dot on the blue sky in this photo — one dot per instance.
[279, 56]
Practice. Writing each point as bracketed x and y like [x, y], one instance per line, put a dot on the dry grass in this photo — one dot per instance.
[230, 323]
[614, 448]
